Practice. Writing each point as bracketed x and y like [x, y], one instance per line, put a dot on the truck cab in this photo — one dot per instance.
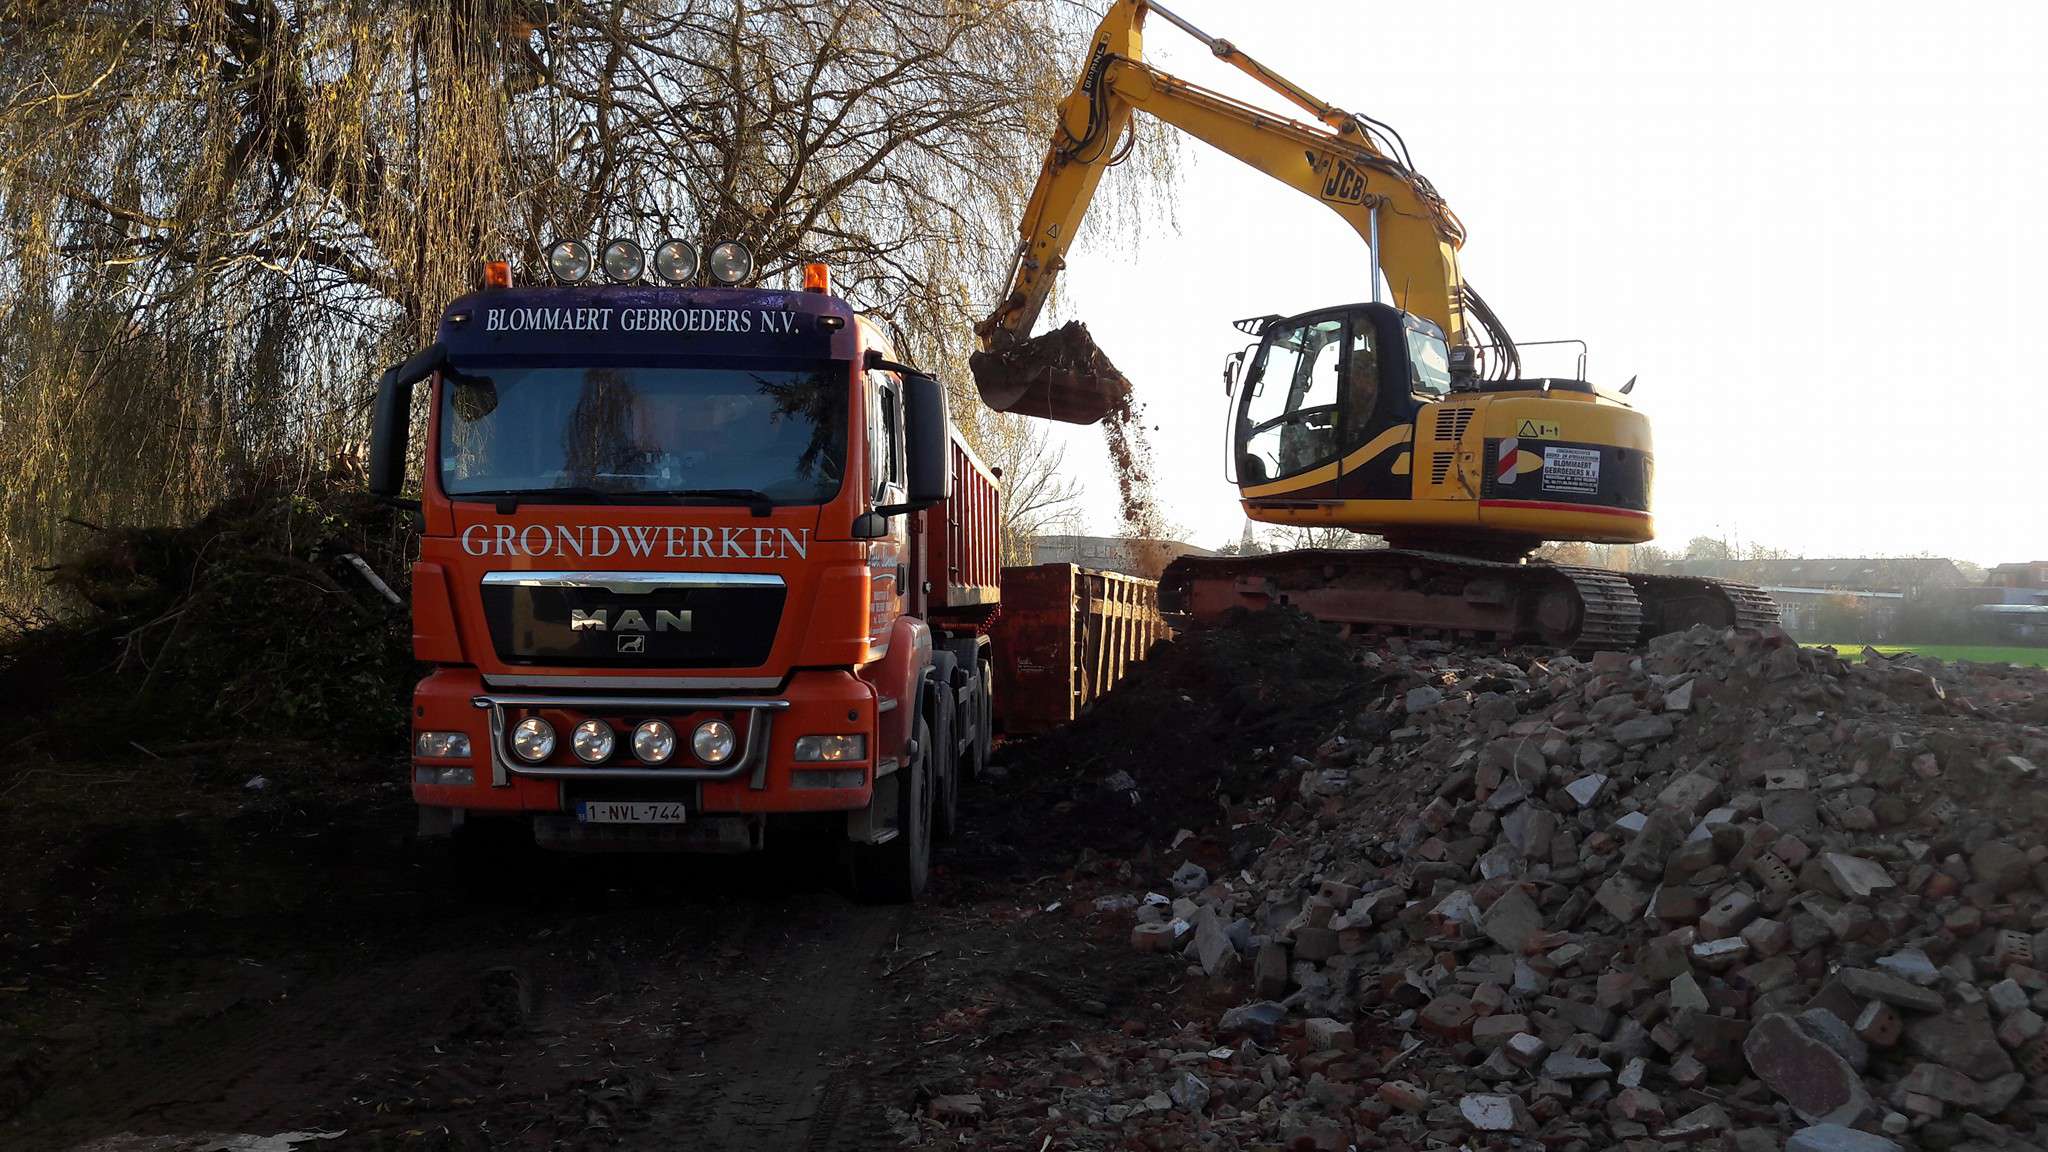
[699, 565]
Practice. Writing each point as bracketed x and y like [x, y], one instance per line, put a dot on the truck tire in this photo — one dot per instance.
[896, 872]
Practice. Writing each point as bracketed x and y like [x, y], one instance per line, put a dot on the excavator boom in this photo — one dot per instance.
[1411, 232]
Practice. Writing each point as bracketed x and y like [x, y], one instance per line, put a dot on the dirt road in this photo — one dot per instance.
[185, 955]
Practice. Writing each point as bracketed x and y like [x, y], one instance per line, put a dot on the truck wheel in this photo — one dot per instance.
[896, 872]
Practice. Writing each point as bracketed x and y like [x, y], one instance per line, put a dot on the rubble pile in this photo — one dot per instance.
[1722, 892]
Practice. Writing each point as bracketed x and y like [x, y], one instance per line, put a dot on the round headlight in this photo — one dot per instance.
[592, 741]
[654, 742]
[712, 742]
[533, 739]
[569, 261]
[676, 261]
[624, 261]
[731, 262]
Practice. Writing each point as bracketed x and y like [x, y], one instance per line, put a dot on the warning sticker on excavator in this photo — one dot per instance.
[1538, 430]
[1575, 470]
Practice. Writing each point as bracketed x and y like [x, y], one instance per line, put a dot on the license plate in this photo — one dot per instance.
[630, 812]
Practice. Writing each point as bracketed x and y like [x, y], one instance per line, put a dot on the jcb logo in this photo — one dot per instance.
[1342, 183]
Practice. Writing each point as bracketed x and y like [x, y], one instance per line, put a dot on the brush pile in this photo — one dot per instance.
[251, 623]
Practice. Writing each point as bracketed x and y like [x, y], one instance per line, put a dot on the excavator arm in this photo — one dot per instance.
[1338, 161]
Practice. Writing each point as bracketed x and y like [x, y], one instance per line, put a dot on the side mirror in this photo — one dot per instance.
[391, 420]
[1232, 365]
[928, 443]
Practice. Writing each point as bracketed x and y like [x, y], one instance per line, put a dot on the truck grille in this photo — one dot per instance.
[633, 620]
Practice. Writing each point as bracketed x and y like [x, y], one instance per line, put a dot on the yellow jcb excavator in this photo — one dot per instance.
[1411, 420]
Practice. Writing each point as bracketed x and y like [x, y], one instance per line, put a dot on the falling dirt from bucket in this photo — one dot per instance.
[1130, 457]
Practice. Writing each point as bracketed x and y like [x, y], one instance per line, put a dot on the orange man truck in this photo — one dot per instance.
[699, 562]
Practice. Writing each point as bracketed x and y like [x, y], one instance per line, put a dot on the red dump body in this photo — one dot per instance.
[959, 543]
[1067, 635]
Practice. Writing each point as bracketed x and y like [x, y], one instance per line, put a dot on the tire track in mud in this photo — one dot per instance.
[792, 1070]
[570, 1003]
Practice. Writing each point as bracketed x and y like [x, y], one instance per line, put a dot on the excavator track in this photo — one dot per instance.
[1675, 603]
[1422, 593]
[1438, 594]
[1611, 610]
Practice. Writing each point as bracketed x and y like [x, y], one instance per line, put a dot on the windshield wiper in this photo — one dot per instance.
[757, 501]
[509, 499]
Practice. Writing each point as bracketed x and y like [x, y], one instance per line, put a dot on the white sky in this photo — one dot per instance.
[1814, 230]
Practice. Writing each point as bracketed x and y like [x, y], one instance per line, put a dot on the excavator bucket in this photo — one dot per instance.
[1061, 375]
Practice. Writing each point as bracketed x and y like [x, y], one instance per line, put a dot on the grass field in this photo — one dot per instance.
[1984, 653]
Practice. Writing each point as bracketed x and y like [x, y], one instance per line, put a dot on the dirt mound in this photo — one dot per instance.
[251, 618]
[1190, 730]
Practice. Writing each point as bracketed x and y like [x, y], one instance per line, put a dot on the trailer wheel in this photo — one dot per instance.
[896, 872]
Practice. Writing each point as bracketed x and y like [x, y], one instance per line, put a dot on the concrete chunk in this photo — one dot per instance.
[1821, 1087]
[1511, 920]
[1623, 898]
[1855, 877]
[1835, 1138]
[1692, 794]
[1831, 1030]
[1491, 1113]
[1586, 789]
[1864, 984]
[1962, 1039]
[1562, 1067]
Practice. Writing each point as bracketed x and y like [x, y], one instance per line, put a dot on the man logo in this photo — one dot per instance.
[633, 645]
[631, 620]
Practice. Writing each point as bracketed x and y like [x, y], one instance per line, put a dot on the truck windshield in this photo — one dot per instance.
[777, 432]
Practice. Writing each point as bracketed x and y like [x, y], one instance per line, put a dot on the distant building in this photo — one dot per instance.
[1113, 553]
[2014, 601]
[1815, 595]
[2027, 575]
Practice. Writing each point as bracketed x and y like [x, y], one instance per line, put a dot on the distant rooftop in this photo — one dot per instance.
[1870, 573]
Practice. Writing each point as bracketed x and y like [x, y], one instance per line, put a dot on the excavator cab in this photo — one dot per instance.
[1325, 385]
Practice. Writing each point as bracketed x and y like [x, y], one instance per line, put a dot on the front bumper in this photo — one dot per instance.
[761, 777]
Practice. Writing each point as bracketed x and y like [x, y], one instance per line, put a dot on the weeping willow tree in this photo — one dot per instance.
[219, 217]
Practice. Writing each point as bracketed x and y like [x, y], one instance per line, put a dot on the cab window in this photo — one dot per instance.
[1289, 419]
[1429, 358]
[1361, 383]
[885, 438]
